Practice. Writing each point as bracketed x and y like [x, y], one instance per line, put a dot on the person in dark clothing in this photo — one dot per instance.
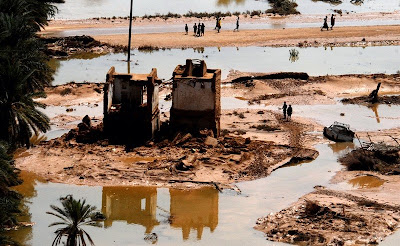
[237, 24]
[203, 27]
[186, 29]
[325, 26]
[216, 23]
[289, 112]
[198, 30]
[219, 25]
[332, 21]
[284, 107]
[195, 29]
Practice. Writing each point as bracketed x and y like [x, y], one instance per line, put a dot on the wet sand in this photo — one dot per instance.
[342, 36]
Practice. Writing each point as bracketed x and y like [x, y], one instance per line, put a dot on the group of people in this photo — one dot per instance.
[287, 111]
[199, 29]
[325, 25]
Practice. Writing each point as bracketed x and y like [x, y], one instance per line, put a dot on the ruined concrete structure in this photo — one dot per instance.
[131, 111]
[196, 97]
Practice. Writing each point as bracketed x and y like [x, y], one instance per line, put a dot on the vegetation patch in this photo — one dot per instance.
[283, 7]
[374, 157]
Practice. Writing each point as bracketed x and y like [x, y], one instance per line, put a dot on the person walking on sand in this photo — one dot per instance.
[186, 29]
[237, 24]
[216, 23]
[289, 113]
[203, 27]
[195, 29]
[219, 25]
[198, 30]
[332, 21]
[284, 108]
[325, 25]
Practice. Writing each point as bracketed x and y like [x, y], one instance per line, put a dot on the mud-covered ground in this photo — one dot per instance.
[329, 217]
[253, 143]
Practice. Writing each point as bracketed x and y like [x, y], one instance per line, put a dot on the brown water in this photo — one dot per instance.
[366, 182]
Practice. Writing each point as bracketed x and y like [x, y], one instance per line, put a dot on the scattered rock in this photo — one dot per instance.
[210, 141]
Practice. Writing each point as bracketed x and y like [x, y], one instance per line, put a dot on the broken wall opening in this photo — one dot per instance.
[131, 113]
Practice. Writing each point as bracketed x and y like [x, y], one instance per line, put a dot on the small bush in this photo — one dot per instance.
[283, 7]
[66, 91]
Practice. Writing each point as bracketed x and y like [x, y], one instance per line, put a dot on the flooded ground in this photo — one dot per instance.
[82, 9]
[314, 61]
[201, 216]
[360, 118]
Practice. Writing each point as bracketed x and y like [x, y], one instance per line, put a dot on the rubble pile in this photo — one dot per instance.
[66, 46]
[378, 157]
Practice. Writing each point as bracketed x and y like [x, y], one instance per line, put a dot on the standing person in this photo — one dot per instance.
[186, 29]
[289, 112]
[195, 29]
[216, 23]
[332, 21]
[284, 107]
[237, 24]
[198, 30]
[219, 25]
[203, 27]
[325, 25]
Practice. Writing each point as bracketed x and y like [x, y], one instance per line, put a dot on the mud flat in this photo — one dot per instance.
[328, 217]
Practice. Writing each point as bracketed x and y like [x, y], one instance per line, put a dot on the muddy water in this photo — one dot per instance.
[366, 182]
[314, 61]
[82, 9]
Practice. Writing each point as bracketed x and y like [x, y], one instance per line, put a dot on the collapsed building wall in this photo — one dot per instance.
[131, 113]
[196, 97]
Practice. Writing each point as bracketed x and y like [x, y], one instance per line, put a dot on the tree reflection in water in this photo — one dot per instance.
[73, 214]
[229, 2]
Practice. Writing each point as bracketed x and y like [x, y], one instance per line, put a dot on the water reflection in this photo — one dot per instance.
[366, 182]
[229, 2]
[189, 209]
[339, 147]
[374, 108]
[135, 205]
[194, 209]
[27, 189]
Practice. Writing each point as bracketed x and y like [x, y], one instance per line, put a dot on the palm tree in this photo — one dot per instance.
[18, 111]
[9, 199]
[74, 214]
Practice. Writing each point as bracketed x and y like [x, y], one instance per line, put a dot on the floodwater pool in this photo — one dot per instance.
[314, 61]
